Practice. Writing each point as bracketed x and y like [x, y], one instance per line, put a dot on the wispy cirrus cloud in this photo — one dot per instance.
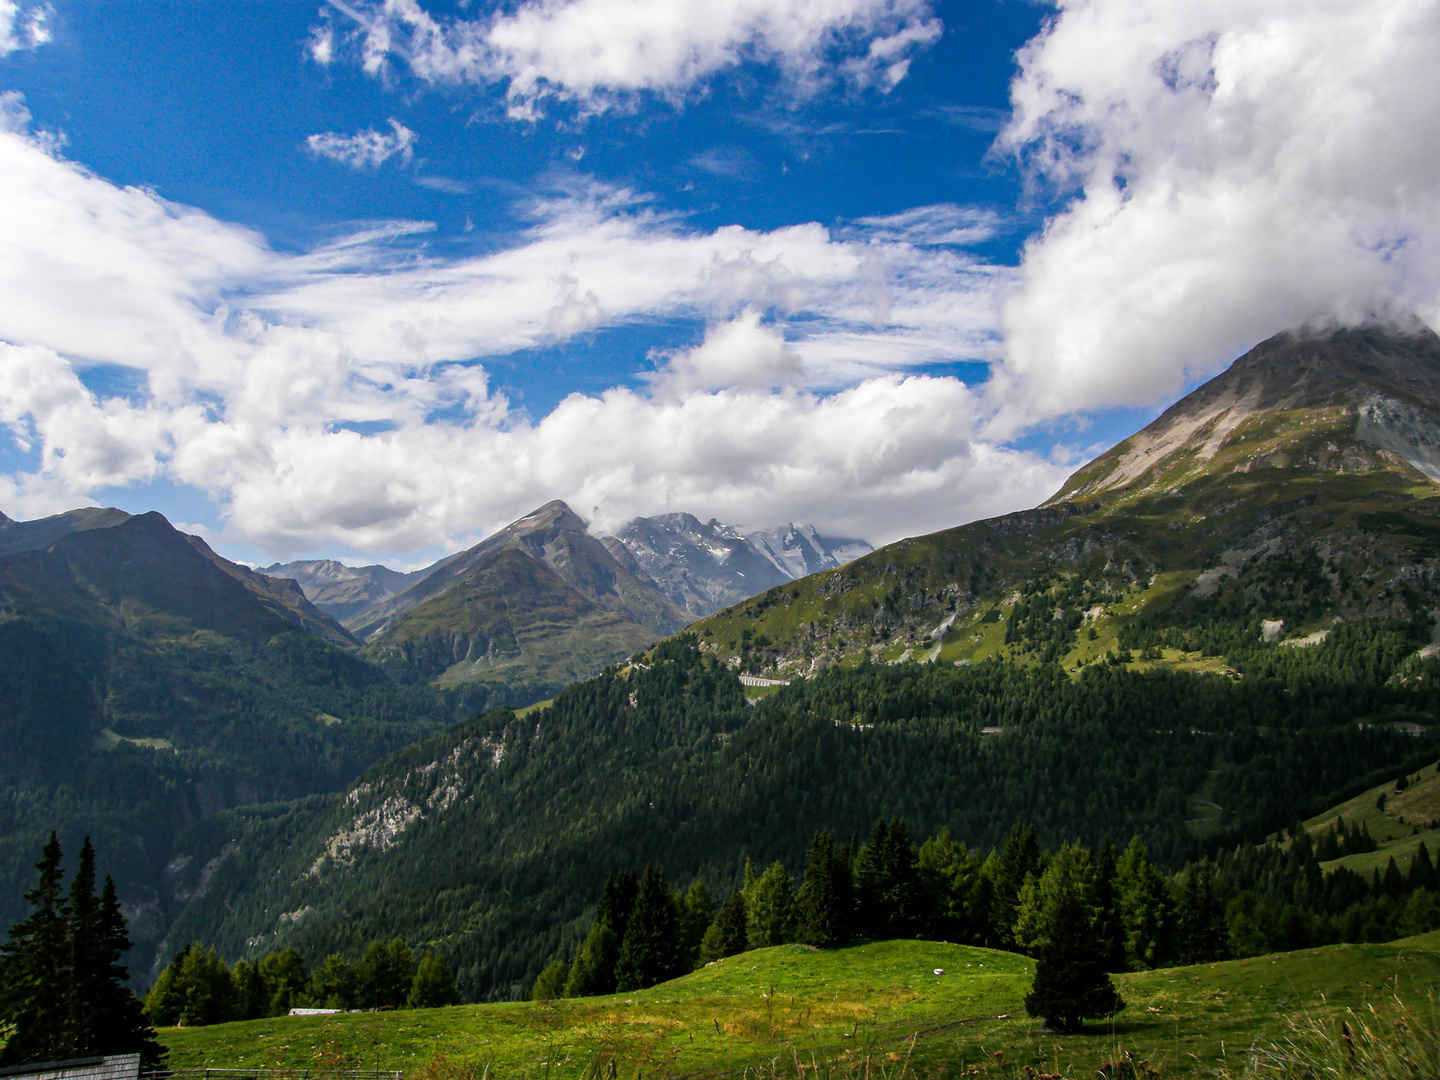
[23, 26]
[598, 54]
[367, 150]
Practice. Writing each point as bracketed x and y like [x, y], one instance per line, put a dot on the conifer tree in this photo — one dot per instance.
[1203, 934]
[434, 984]
[332, 985]
[824, 902]
[120, 1024]
[1108, 924]
[384, 975]
[617, 900]
[698, 914]
[32, 998]
[1018, 860]
[285, 977]
[729, 933]
[887, 883]
[770, 909]
[1393, 883]
[1146, 909]
[1422, 871]
[593, 972]
[1071, 983]
[949, 879]
[652, 951]
[252, 998]
[195, 989]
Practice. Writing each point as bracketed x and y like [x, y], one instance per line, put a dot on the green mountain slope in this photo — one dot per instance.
[147, 684]
[511, 621]
[490, 840]
[1297, 488]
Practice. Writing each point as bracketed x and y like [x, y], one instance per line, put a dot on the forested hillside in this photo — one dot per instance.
[489, 842]
[146, 684]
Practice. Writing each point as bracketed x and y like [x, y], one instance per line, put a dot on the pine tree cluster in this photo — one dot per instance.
[63, 991]
[1018, 898]
[197, 988]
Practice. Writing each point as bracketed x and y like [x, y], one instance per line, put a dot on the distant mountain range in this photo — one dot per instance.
[543, 602]
[700, 566]
[704, 567]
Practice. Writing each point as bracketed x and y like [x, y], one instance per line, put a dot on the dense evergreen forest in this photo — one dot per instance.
[498, 833]
[133, 741]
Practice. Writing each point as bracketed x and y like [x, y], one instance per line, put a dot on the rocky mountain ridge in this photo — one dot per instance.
[704, 566]
[700, 566]
[534, 607]
[1297, 487]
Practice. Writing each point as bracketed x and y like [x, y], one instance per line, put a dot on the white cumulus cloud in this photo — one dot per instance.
[596, 52]
[1237, 167]
[342, 396]
[367, 150]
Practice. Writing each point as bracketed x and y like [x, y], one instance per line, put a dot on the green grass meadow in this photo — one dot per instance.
[876, 1010]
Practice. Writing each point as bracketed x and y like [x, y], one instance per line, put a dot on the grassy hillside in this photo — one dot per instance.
[1406, 820]
[865, 1010]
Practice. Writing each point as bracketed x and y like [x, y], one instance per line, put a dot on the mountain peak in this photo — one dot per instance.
[555, 514]
[1343, 400]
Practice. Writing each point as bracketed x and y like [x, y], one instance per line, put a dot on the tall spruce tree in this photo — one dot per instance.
[1013, 864]
[84, 975]
[617, 901]
[1071, 984]
[1108, 924]
[120, 1024]
[1201, 917]
[32, 993]
[729, 933]
[593, 971]
[888, 896]
[1146, 909]
[434, 984]
[824, 903]
[652, 951]
[770, 908]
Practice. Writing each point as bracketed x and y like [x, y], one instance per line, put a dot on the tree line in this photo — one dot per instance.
[1250, 900]
[890, 887]
[198, 988]
[63, 991]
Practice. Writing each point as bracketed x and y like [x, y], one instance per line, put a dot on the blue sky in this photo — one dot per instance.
[370, 279]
